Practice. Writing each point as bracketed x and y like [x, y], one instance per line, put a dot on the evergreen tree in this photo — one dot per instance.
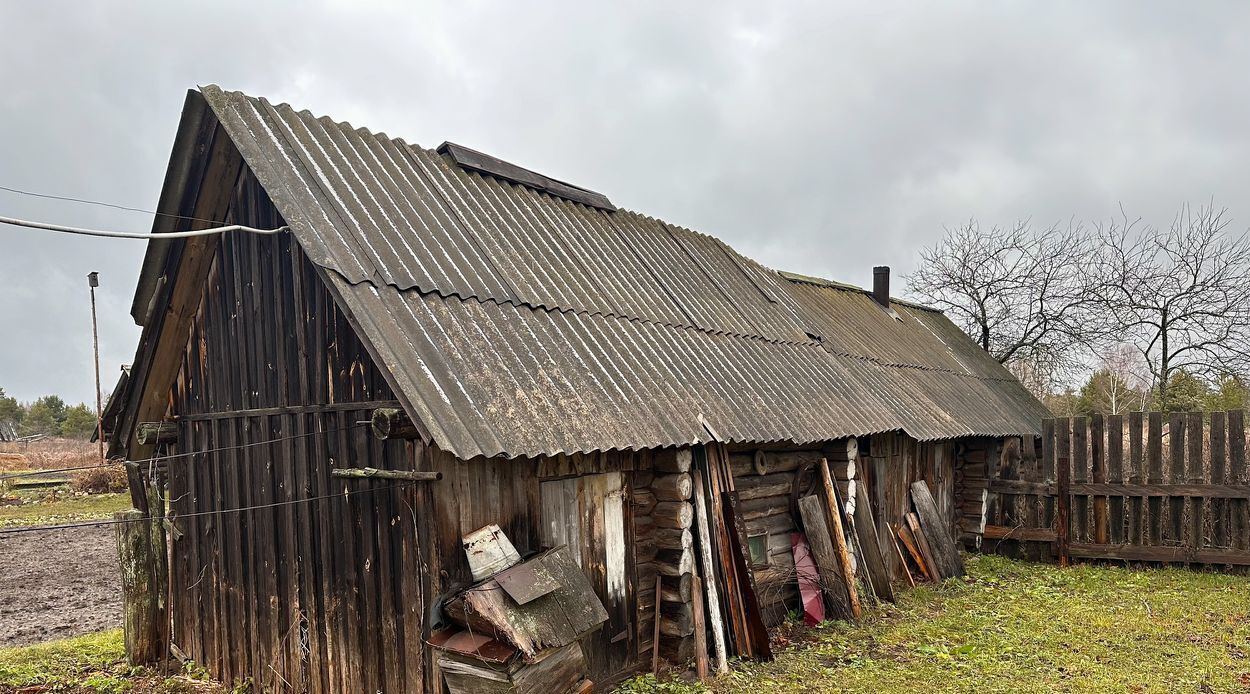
[1230, 393]
[1184, 393]
[10, 410]
[80, 422]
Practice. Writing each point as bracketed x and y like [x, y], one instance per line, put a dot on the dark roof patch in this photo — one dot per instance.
[485, 163]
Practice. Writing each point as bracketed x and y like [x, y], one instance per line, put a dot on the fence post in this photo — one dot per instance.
[141, 554]
[1063, 483]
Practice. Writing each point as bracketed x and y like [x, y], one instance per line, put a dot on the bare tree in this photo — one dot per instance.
[1180, 297]
[1021, 292]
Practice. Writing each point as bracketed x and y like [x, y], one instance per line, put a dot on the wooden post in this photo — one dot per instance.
[1063, 482]
[1197, 475]
[655, 640]
[700, 631]
[709, 570]
[1098, 474]
[834, 510]
[1239, 524]
[141, 555]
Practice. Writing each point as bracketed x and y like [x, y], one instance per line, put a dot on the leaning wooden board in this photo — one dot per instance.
[941, 541]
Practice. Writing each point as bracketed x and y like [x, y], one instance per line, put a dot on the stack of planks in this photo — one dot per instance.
[972, 479]
[928, 539]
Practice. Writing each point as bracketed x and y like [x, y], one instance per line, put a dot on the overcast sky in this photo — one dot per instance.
[822, 138]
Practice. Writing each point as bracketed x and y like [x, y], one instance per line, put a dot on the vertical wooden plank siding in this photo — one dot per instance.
[1080, 474]
[1219, 507]
[1063, 500]
[298, 595]
[1154, 475]
[1174, 531]
[1240, 508]
[1197, 475]
[1137, 474]
[1098, 474]
[1115, 475]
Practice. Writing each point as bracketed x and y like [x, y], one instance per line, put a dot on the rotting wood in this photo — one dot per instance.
[820, 541]
[1063, 472]
[675, 487]
[672, 460]
[834, 508]
[394, 423]
[901, 559]
[870, 544]
[922, 543]
[655, 637]
[700, 633]
[140, 549]
[709, 570]
[374, 473]
[754, 620]
[156, 433]
[909, 541]
[672, 514]
[940, 541]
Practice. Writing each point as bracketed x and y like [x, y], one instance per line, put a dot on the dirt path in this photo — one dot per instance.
[57, 584]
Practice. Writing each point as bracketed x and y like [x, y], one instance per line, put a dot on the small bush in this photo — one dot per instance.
[104, 480]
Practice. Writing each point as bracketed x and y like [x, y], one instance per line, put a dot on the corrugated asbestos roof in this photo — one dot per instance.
[517, 323]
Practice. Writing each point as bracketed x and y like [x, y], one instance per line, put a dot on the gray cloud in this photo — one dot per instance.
[822, 138]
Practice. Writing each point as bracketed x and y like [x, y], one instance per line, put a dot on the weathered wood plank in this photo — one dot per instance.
[819, 539]
[937, 532]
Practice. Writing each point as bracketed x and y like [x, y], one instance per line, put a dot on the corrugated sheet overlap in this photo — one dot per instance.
[517, 323]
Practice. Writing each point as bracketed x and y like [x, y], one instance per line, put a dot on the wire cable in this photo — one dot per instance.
[176, 517]
[188, 454]
[65, 198]
[132, 235]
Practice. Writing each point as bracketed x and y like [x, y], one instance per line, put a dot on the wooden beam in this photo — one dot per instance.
[394, 423]
[171, 329]
[834, 509]
[709, 570]
[156, 433]
[374, 473]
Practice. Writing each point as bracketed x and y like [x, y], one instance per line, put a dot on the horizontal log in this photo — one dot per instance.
[676, 619]
[847, 449]
[843, 470]
[676, 487]
[1161, 554]
[374, 473]
[674, 538]
[1002, 532]
[393, 423]
[643, 502]
[672, 514]
[674, 562]
[153, 433]
[677, 588]
[743, 464]
[671, 460]
[677, 650]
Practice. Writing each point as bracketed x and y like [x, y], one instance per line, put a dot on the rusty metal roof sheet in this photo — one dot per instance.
[519, 323]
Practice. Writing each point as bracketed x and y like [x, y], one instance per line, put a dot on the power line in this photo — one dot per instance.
[175, 456]
[177, 517]
[131, 235]
[65, 198]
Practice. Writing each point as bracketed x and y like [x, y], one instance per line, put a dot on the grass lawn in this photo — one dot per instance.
[43, 508]
[1016, 627]
[93, 663]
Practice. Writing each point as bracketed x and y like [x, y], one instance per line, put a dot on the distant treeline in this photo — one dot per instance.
[48, 415]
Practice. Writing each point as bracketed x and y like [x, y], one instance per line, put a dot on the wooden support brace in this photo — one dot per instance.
[374, 473]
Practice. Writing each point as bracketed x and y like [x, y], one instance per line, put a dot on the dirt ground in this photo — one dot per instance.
[57, 584]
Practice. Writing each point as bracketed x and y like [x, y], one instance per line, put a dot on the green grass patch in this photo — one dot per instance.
[1018, 627]
[78, 661]
[94, 663]
[60, 507]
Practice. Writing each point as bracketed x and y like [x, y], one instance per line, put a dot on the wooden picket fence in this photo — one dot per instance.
[1143, 487]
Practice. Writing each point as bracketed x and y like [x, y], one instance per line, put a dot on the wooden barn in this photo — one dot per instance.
[512, 350]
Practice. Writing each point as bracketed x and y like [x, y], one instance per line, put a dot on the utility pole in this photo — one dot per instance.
[93, 279]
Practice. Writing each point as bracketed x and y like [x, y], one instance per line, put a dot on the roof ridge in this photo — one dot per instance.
[592, 313]
[799, 278]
